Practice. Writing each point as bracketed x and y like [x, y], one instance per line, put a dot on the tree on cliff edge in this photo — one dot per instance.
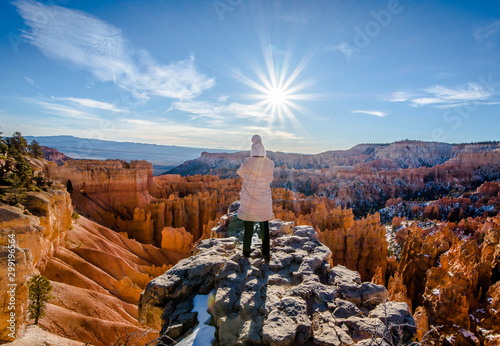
[35, 149]
[3, 146]
[39, 293]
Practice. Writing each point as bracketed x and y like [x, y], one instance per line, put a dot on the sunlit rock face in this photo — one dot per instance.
[451, 279]
[295, 298]
[30, 234]
[54, 155]
[127, 198]
[97, 274]
[359, 245]
[368, 175]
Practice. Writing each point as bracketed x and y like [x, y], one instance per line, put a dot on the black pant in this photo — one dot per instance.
[247, 237]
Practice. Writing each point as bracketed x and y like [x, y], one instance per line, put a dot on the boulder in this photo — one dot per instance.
[295, 298]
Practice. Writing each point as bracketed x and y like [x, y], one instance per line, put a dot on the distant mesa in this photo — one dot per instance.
[54, 155]
[163, 157]
[393, 156]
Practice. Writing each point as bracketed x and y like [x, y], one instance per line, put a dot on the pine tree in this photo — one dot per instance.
[17, 143]
[69, 186]
[35, 149]
[39, 293]
[3, 146]
[22, 171]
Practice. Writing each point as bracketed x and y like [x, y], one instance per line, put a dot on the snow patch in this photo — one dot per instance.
[468, 334]
[203, 334]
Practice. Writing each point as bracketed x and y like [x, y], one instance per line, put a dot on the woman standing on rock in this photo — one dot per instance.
[255, 196]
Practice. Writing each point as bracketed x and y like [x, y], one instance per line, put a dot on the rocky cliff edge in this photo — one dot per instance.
[295, 298]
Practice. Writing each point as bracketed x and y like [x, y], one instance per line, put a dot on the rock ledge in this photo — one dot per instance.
[296, 298]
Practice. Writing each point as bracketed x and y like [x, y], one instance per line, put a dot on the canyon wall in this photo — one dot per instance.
[97, 275]
[151, 206]
[30, 236]
[366, 176]
[127, 198]
[393, 156]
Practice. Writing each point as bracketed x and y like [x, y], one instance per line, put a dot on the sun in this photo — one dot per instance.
[279, 89]
[277, 93]
[277, 97]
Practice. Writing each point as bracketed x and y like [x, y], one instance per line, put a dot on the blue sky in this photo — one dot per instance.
[309, 76]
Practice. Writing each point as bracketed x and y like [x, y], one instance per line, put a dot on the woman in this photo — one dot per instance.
[256, 203]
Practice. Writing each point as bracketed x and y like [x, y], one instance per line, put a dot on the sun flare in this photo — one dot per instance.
[277, 93]
[277, 97]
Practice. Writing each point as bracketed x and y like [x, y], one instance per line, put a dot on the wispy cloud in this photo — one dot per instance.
[487, 35]
[400, 96]
[72, 107]
[445, 97]
[487, 32]
[31, 82]
[93, 104]
[140, 122]
[273, 135]
[440, 94]
[376, 113]
[90, 43]
[61, 110]
[209, 136]
[218, 110]
[453, 105]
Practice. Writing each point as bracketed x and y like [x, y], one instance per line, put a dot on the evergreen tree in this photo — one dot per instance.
[17, 142]
[69, 186]
[3, 146]
[22, 171]
[39, 293]
[35, 149]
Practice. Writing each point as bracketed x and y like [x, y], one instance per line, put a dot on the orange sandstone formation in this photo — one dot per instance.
[96, 273]
[397, 290]
[458, 302]
[422, 323]
[419, 254]
[491, 324]
[30, 236]
[127, 198]
[176, 239]
[456, 285]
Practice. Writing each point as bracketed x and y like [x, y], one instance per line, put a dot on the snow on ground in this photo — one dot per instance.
[203, 334]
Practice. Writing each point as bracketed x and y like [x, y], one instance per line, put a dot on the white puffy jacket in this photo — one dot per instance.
[255, 196]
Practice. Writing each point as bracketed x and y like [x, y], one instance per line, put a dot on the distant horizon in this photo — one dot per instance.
[308, 77]
[269, 149]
